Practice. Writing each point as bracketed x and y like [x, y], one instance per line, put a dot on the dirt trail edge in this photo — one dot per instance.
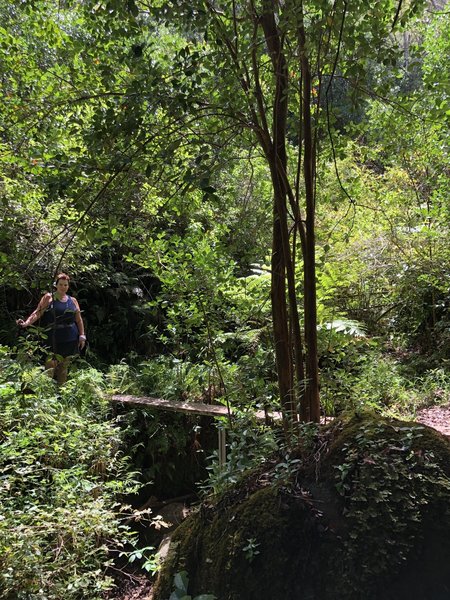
[437, 417]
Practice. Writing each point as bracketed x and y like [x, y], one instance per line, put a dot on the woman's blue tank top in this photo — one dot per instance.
[59, 320]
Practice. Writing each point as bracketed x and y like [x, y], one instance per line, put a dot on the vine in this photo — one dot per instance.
[386, 480]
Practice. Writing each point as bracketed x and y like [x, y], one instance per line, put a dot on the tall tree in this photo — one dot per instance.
[276, 64]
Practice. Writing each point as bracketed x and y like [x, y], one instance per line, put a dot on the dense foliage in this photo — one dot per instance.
[159, 224]
[128, 158]
[63, 471]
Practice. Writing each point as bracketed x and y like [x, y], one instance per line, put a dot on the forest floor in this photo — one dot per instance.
[437, 417]
[140, 588]
[132, 588]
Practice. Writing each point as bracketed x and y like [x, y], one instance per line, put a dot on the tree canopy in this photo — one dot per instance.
[168, 148]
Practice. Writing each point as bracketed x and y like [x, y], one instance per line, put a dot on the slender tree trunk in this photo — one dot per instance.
[280, 320]
[282, 268]
[297, 377]
[311, 410]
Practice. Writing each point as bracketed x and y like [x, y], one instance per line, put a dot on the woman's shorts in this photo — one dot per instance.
[65, 348]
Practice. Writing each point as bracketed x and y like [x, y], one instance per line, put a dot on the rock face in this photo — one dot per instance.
[362, 512]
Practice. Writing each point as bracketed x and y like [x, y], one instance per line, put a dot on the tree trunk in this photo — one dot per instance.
[282, 264]
[280, 320]
[311, 409]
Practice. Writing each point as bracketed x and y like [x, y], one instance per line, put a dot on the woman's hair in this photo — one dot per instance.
[61, 276]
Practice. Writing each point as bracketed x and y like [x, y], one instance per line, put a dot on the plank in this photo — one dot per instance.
[193, 408]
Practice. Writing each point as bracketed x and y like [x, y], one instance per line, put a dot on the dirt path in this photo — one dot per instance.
[437, 417]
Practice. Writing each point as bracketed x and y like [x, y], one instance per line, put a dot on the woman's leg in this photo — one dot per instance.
[50, 366]
[65, 351]
[60, 373]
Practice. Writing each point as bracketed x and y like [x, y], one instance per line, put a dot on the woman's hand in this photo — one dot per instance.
[81, 341]
[21, 323]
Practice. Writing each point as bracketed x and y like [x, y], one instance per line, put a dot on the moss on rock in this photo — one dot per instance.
[364, 515]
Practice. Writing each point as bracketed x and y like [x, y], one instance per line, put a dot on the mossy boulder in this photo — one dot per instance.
[362, 513]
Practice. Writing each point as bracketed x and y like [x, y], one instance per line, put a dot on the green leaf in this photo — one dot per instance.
[180, 581]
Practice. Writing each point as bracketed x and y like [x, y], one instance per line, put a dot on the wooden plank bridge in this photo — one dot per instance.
[193, 408]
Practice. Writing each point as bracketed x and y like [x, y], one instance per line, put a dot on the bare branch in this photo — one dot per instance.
[397, 14]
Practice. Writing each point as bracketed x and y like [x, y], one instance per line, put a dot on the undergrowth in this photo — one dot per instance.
[62, 473]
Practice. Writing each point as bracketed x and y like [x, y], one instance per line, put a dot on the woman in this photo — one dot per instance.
[61, 316]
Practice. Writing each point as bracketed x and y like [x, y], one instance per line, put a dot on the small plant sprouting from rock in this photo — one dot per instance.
[251, 549]
[180, 592]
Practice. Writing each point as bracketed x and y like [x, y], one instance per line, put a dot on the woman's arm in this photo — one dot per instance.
[44, 303]
[80, 324]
